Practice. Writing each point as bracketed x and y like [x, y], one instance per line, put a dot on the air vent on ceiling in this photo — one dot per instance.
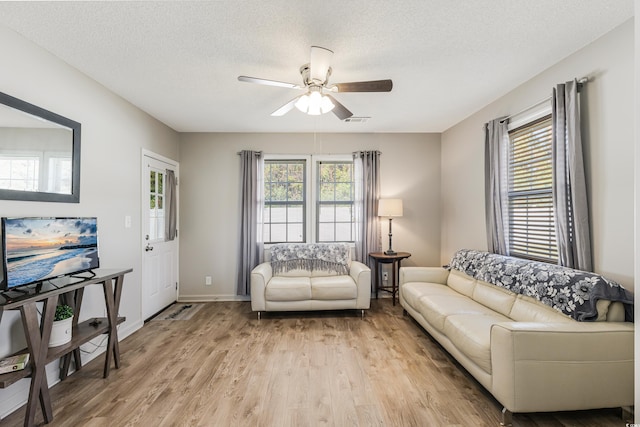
[354, 119]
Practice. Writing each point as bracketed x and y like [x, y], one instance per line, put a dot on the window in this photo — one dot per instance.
[530, 199]
[19, 172]
[156, 204]
[284, 217]
[60, 175]
[308, 206]
[334, 206]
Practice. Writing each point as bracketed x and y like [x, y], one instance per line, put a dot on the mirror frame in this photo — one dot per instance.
[42, 196]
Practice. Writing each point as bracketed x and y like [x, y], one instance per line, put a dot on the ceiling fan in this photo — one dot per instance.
[315, 77]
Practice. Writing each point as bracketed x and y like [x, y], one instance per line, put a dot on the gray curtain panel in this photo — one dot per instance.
[171, 220]
[367, 177]
[569, 191]
[250, 251]
[495, 158]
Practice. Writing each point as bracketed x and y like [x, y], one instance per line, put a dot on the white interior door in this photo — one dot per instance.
[160, 257]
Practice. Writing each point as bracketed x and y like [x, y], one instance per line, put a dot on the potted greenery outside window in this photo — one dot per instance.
[62, 324]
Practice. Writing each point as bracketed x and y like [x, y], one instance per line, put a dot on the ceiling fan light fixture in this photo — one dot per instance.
[314, 103]
[326, 105]
[302, 103]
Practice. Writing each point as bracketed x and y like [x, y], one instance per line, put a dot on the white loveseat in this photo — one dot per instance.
[301, 277]
[530, 356]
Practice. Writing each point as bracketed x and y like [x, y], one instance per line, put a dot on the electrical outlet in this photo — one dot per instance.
[207, 280]
[385, 276]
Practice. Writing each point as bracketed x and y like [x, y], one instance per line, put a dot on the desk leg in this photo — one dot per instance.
[74, 299]
[394, 283]
[112, 293]
[396, 280]
[377, 268]
[38, 343]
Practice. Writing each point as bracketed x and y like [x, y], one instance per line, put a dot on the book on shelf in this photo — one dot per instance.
[14, 363]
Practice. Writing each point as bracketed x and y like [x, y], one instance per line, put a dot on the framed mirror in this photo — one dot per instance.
[39, 153]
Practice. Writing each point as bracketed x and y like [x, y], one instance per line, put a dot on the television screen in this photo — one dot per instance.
[37, 249]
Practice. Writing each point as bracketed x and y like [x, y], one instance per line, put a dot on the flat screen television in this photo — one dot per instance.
[39, 249]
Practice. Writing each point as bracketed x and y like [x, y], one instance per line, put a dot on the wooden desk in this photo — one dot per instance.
[394, 260]
[38, 332]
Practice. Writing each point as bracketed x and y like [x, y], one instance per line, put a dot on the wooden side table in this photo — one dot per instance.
[394, 260]
[37, 331]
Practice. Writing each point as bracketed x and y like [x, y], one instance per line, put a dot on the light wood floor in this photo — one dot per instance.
[225, 368]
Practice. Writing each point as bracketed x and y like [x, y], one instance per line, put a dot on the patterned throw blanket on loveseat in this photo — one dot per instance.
[329, 257]
[572, 292]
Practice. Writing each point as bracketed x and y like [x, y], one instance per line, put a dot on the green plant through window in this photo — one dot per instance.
[334, 207]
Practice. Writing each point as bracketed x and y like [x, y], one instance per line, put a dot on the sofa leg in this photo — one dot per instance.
[362, 314]
[259, 315]
[507, 417]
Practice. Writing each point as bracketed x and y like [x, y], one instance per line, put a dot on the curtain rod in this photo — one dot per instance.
[257, 153]
[581, 83]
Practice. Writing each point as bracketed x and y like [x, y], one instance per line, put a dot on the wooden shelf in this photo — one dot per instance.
[11, 377]
[81, 334]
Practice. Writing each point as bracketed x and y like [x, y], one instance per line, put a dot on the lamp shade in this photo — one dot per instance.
[390, 207]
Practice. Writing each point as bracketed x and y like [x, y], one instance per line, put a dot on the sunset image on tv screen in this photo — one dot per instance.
[40, 248]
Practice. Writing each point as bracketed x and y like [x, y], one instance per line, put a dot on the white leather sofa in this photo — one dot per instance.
[309, 283]
[530, 356]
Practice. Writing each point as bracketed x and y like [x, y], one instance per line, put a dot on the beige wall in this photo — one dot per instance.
[113, 136]
[209, 187]
[608, 132]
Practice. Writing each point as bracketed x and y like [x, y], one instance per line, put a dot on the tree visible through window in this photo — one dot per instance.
[335, 202]
[308, 207]
[284, 201]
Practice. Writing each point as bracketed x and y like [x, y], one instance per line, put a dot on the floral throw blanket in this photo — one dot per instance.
[330, 257]
[572, 292]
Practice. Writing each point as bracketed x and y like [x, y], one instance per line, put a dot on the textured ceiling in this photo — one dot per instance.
[179, 61]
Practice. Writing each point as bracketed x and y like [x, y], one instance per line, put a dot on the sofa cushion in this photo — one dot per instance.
[471, 334]
[461, 282]
[333, 288]
[413, 291]
[494, 297]
[282, 288]
[528, 309]
[436, 308]
[299, 272]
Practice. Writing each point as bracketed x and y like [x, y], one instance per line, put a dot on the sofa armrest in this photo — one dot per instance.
[423, 274]
[361, 274]
[260, 276]
[562, 366]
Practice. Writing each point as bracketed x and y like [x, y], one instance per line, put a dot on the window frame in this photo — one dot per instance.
[310, 188]
[335, 159]
[542, 113]
[305, 191]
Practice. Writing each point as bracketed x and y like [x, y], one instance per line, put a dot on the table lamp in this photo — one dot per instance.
[390, 208]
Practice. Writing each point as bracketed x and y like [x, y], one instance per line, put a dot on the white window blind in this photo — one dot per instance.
[531, 218]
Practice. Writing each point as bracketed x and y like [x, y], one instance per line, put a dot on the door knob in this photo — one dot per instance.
[148, 248]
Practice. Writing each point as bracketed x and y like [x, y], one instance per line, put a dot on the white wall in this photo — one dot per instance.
[113, 136]
[209, 197]
[608, 129]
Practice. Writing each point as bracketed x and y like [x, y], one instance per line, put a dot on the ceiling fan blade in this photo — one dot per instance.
[339, 109]
[371, 86]
[268, 82]
[319, 64]
[286, 107]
